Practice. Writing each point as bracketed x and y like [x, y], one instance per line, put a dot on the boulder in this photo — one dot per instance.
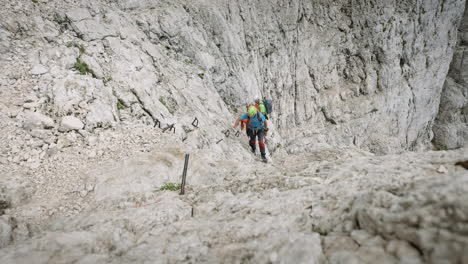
[34, 120]
[70, 123]
[78, 14]
[39, 69]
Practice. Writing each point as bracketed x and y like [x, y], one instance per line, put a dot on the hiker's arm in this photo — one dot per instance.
[266, 125]
[236, 123]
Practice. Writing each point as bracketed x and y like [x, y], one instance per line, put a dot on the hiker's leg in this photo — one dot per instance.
[261, 141]
[252, 139]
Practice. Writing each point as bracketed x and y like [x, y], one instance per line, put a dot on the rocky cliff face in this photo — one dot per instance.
[451, 125]
[364, 73]
[98, 103]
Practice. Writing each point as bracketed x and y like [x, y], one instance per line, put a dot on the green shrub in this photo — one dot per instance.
[82, 67]
[161, 99]
[321, 231]
[120, 105]
[169, 186]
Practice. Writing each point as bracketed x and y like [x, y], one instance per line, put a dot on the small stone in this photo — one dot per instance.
[37, 120]
[92, 140]
[92, 154]
[13, 112]
[89, 187]
[36, 143]
[442, 169]
[83, 193]
[360, 236]
[34, 165]
[70, 123]
[63, 142]
[31, 105]
[39, 69]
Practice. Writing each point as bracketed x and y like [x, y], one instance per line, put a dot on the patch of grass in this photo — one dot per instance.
[120, 105]
[35, 1]
[169, 186]
[62, 20]
[80, 47]
[321, 231]
[442, 148]
[169, 103]
[161, 99]
[82, 67]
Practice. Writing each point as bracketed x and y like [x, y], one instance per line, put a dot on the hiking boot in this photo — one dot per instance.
[252, 150]
[264, 159]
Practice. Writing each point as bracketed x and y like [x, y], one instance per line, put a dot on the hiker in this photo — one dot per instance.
[245, 122]
[256, 127]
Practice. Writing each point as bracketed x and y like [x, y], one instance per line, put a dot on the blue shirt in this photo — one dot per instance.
[254, 123]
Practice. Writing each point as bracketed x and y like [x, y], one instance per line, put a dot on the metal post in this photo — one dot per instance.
[184, 174]
[157, 123]
[195, 122]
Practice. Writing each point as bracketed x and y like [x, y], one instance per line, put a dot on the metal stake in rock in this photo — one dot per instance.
[184, 174]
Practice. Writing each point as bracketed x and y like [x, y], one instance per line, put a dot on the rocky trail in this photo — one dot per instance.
[335, 205]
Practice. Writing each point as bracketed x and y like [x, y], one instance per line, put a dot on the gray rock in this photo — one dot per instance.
[100, 115]
[5, 232]
[39, 69]
[70, 123]
[360, 236]
[94, 30]
[34, 120]
[78, 14]
[64, 142]
[334, 244]
[450, 129]
[403, 250]
[13, 191]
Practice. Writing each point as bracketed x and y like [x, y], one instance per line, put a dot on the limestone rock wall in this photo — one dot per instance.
[451, 124]
[367, 73]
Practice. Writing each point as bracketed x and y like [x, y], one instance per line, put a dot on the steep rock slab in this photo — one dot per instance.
[451, 125]
[367, 73]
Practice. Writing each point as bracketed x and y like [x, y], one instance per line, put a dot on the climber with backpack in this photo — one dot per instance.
[256, 126]
[264, 106]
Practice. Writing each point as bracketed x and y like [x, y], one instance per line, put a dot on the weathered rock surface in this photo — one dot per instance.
[451, 125]
[400, 208]
[333, 69]
[137, 84]
[37, 120]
